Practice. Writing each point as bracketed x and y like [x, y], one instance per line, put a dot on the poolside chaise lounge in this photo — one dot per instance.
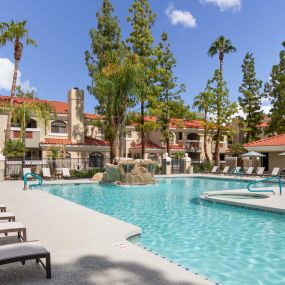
[260, 171]
[225, 170]
[46, 172]
[236, 171]
[20, 252]
[14, 227]
[2, 208]
[7, 216]
[66, 173]
[275, 172]
[249, 171]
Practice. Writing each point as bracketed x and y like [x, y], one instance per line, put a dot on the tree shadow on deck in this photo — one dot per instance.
[89, 270]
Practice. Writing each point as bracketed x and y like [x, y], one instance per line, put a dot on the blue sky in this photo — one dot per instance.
[61, 29]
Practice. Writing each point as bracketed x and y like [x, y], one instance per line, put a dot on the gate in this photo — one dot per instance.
[176, 165]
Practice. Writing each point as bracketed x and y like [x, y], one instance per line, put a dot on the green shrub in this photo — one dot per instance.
[84, 173]
[202, 167]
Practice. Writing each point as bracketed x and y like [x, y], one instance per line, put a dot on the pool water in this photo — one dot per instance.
[229, 245]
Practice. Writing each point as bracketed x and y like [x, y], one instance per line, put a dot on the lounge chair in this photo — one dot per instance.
[214, 169]
[25, 251]
[249, 171]
[275, 172]
[236, 171]
[259, 171]
[27, 170]
[14, 227]
[225, 170]
[2, 208]
[66, 173]
[46, 172]
[7, 216]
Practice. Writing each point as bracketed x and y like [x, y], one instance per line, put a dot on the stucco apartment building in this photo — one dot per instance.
[82, 138]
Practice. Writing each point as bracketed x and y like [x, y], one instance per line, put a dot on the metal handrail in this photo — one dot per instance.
[32, 185]
[263, 180]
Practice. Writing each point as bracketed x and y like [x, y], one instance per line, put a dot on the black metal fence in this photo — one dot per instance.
[15, 167]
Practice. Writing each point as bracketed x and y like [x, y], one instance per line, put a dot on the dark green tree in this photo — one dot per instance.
[167, 87]
[105, 46]
[250, 102]
[142, 19]
[275, 91]
[222, 110]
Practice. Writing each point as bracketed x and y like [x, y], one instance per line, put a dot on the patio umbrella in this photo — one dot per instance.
[282, 154]
[253, 154]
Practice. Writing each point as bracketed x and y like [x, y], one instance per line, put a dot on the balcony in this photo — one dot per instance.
[194, 146]
[32, 139]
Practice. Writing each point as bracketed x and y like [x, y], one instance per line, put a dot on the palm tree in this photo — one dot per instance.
[14, 32]
[221, 46]
[283, 44]
[203, 103]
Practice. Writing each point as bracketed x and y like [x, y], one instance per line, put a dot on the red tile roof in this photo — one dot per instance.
[148, 145]
[263, 125]
[278, 140]
[176, 146]
[93, 116]
[87, 141]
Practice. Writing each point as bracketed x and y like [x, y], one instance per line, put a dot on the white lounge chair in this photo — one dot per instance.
[2, 208]
[249, 171]
[236, 171]
[66, 173]
[225, 170]
[27, 170]
[14, 227]
[46, 172]
[7, 216]
[214, 169]
[25, 251]
[275, 172]
[260, 171]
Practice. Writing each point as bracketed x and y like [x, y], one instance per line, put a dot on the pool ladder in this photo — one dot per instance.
[32, 185]
[264, 180]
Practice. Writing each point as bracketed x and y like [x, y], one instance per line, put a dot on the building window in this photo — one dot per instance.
[180, 136]
[100, 134]
[32, 124]
[59, 127]
[193, 137]
[96, 159]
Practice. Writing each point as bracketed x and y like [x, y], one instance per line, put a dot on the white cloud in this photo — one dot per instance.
[225, 4]
[6, 76]
[179, 17]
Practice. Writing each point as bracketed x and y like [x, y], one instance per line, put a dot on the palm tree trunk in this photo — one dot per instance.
[9, 119]
[205, 138]
[217, 149]
[167, 146]
[142, 131]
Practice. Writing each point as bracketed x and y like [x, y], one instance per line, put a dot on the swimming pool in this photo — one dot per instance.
[229, 245]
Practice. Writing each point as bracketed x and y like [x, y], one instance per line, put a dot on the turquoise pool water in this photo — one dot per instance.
[229, 245]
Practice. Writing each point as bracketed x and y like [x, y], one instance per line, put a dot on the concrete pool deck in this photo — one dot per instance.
[86, 247]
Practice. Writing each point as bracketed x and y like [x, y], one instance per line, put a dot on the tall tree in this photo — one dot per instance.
[16, 33]
[275, 91]
[250, 102]
[222, 110]
[204, 102]
[221, 46]
[105, 44]
[142, 19]
[168, 89]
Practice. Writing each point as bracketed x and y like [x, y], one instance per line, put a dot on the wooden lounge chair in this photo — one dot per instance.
[66, 173]
[7, 216]
[14, 227]
[25, 251]
[46, 172]
[2, 208]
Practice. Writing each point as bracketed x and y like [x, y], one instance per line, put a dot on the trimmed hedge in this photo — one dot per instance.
[85, 173]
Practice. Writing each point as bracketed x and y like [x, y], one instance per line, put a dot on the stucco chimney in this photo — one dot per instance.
[76, 115]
